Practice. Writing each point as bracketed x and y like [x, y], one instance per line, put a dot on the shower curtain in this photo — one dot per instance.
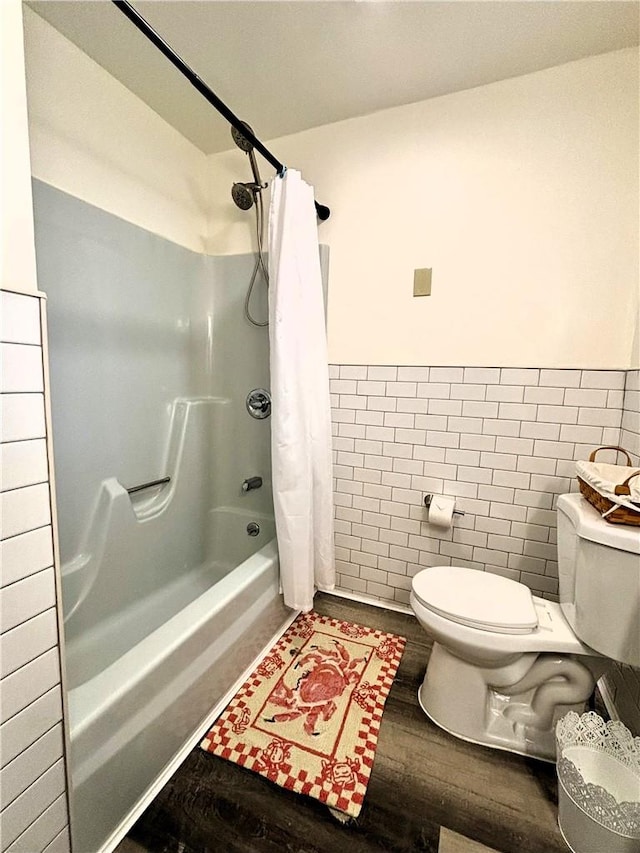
[301, 415]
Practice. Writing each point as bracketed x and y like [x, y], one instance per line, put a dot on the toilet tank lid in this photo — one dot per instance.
[478, 599]
[589, 524]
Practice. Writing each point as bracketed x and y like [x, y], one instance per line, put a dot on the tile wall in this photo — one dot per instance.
[630, 433]
[33, 812]
[502, 441]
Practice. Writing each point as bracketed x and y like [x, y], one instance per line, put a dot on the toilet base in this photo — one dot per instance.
[462, 699]
[519, 746]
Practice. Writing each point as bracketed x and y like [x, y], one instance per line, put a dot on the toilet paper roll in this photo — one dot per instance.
[441, 511]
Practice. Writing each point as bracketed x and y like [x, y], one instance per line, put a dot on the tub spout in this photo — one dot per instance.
[251, 483]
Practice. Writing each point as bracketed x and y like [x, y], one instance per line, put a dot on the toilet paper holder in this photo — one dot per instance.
[429, 498]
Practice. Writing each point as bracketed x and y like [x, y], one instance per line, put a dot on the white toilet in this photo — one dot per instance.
[505, 664]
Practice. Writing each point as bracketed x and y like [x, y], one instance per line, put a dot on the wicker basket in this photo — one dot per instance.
[622, 514]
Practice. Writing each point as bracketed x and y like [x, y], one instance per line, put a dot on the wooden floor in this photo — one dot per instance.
[423, 780]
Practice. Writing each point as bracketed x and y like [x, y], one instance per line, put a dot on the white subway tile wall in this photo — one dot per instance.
[630, 433]
[33, 809]
[502, 441]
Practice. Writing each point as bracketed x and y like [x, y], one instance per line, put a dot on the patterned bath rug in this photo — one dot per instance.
[309, 715]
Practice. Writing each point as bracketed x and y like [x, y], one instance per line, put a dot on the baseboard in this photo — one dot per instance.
[374, 602]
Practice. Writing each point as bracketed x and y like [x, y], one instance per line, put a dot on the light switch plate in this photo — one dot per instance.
[422, 282]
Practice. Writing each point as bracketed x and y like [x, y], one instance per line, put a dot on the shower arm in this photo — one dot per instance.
[147, 30]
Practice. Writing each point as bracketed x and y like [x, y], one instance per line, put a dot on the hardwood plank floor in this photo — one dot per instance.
[422, 779]
[451, 842]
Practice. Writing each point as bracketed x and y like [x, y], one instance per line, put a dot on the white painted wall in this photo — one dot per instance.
[521, 195]
[16, 250]
[92, 138]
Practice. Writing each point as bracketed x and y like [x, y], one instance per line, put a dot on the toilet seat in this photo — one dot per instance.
[477, 599]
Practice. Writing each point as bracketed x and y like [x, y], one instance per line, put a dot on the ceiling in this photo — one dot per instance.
[289, 66]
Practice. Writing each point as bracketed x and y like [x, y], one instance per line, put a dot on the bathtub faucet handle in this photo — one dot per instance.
[258, 403]
[251, 483]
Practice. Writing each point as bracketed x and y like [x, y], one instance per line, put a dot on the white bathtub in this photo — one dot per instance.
[135, 720]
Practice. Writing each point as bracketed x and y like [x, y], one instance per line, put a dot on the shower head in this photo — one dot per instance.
[241, 141]
[244, 145]
[243, 195]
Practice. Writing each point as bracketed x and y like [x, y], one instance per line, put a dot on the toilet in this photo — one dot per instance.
[505, 664]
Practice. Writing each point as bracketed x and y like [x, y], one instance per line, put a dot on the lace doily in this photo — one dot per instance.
[613, 738]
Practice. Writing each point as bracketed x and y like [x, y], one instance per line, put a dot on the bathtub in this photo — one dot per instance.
[134, 721]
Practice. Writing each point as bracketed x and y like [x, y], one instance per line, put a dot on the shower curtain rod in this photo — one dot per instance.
[147, 30]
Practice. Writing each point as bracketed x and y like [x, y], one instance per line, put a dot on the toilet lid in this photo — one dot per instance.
[477, 599]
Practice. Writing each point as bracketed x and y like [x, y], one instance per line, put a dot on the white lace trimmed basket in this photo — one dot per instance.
[599, 785]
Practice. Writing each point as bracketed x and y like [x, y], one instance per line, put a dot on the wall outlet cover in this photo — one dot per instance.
[422, 282]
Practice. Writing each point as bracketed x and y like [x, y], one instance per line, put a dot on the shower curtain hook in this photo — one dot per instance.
[281, 173]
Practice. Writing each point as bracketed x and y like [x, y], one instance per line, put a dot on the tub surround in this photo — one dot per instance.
[166, 596]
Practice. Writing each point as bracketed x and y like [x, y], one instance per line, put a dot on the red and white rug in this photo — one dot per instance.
[309, 715]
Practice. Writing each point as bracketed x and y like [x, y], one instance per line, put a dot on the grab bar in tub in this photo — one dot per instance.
[148, 485]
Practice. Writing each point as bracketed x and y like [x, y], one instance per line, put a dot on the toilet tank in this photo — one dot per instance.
[599, 575]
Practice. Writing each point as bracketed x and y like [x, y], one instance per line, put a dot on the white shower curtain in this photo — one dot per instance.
[301, 415]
